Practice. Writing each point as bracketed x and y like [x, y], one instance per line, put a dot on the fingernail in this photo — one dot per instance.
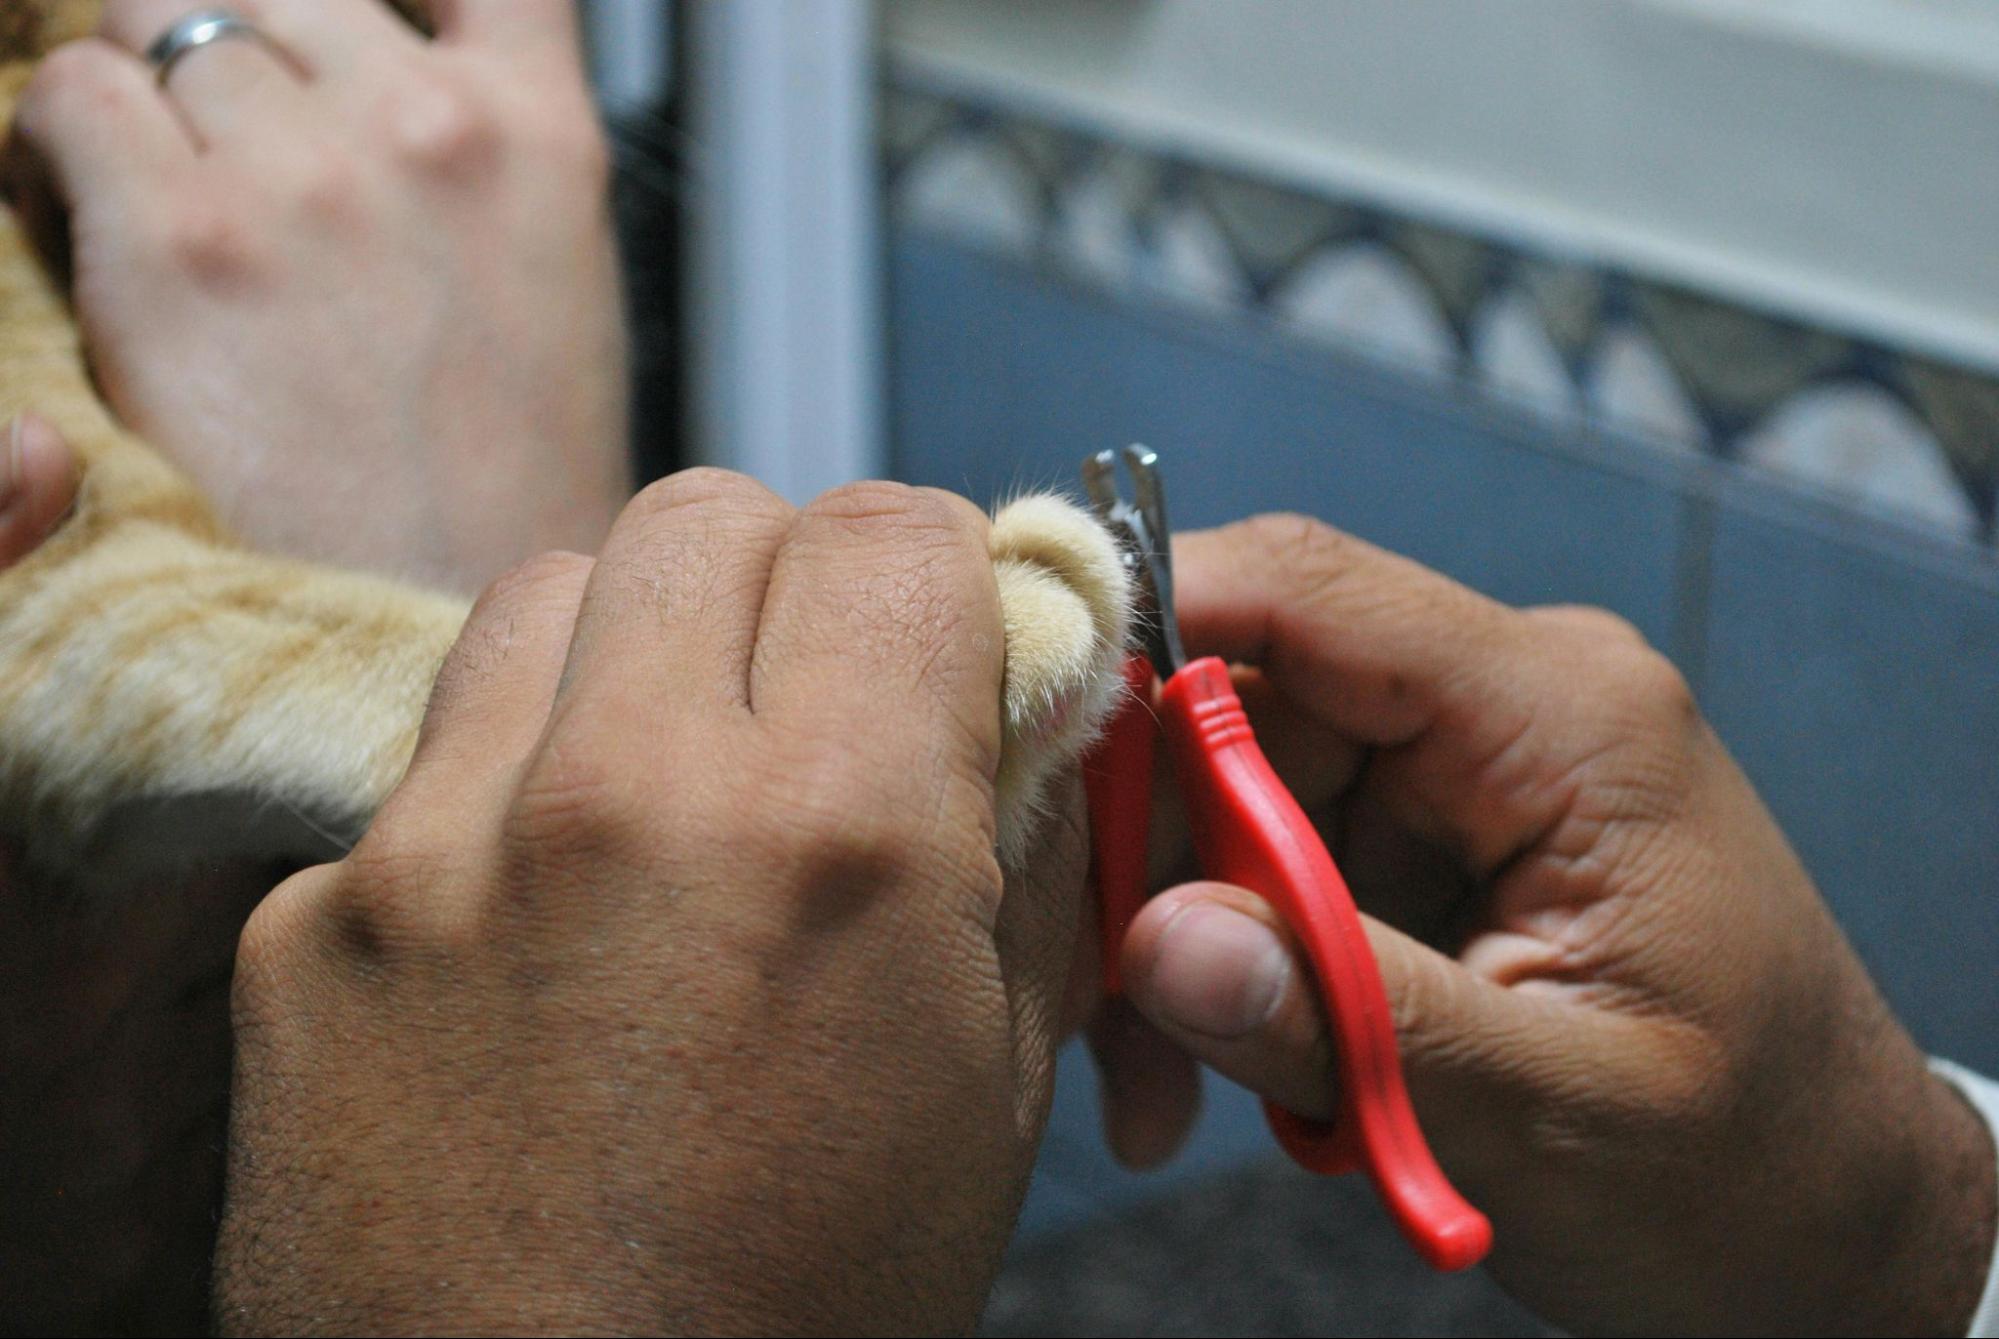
[1217, 972]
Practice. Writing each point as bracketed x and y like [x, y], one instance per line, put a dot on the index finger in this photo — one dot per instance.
[91, 123]
[1475, 720]
[1373, 644]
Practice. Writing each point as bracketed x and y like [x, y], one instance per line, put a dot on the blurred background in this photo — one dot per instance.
[1689, 308]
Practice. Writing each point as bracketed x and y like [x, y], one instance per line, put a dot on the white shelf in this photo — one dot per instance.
[1836, 160]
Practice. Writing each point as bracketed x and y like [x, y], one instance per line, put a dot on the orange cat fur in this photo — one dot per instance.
[163, 688]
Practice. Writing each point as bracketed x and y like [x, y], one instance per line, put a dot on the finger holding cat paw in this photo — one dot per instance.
[38, 480]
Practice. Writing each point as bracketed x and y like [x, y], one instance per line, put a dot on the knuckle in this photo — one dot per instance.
[1592, 624]
[278, 931]
[846, 820]
[957, 513]
[212, 246]
[686, 519]
[378, 898]
[922, 522]
[1296, 529]
[75, 82]
[870, 500]
[575, 806]
[1660, 691]
[1636, 674]
[1637, 682]
[553, 576]
[701, 486]
[325, 187]
[812, 793]
[377, 907]
[437, 129]
[843, 849]
[68, 64]
[1292, 532]
[847, 846]
[84, 63]
[69, 72]
[1304, 551]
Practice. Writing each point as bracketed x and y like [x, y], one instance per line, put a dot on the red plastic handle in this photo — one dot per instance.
[1117, 777]
[1248, 830]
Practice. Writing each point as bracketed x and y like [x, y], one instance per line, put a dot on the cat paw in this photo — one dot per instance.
[1066, 601]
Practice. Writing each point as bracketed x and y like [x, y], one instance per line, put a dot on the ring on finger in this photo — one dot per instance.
[199, 29]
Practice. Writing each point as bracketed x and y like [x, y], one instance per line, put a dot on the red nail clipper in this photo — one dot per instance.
[1249, 831]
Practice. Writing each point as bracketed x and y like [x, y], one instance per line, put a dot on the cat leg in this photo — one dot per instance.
[152, 673]
[164, 694]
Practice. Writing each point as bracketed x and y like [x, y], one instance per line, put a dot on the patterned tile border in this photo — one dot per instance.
[1888, 432]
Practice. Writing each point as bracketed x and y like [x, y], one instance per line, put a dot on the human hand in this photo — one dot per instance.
[1632, 1031]
[364, 291]
[674, 987]
[37, 485]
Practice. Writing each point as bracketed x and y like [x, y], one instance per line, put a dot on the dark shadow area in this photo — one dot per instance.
[1266, 1250]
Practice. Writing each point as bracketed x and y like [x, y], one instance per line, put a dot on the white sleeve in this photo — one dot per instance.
[1983, 1094]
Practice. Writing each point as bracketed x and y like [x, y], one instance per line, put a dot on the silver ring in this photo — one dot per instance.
[197, 30]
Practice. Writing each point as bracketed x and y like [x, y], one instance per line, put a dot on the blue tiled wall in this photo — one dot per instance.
[1859, 689]
[1002, 379]
[1856, 679]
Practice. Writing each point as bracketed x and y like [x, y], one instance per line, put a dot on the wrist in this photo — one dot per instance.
[1925, 1267]
[1861, 1201]
[1980, 1269]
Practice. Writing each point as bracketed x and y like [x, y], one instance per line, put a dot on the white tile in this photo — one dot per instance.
[972, 189]
[1364, 297]
[1093, 235]
[1513, 358]
[1630, 387]
[1190, 261]
[1859, 441]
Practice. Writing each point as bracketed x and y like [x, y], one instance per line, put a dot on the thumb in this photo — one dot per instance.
[1214, 968]
[37, 485]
